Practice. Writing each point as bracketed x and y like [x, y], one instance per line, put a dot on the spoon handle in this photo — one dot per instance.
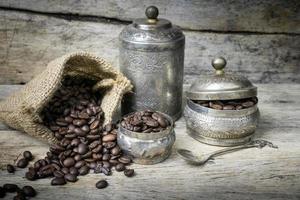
[231, 149]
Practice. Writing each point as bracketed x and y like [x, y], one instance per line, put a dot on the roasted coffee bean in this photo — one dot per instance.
[74, 171]
[109, 145]
[22, 163]
[116, 150]
[237, 104]
[10, 168]
[215, 106]
[85, 128]
[29, 191]
[70, 177]
[79, 122]
[94, 144]
[82, 149]
[58, 174]
[79, 164]
[10, 187]
[75, 142]
[101, 184]
[2, 192]
[228, 107]
[95, 124]
[124, 160]
[109, 138]
[84, 170]
[65, 170]
[248, 104]
[106, 157]
[106, 164]
[31, 175]
[69, 162]
[19, 196]
[120, 167]
[92, 165]
[239, 107]
[28, 155]
[106, 171]
[77, 157]
[58, 181]
[129, 172]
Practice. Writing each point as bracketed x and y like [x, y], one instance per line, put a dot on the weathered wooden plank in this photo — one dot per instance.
[258, 15]
[29, 42]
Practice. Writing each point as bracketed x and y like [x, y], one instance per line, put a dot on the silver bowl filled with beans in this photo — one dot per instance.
[146, 136]
[222, 108]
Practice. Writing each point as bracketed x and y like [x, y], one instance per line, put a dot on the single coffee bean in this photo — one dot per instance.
[95, 124]
[79, 122]
[85, 128]
[22, 163]
[82, 149]
[239, 107]
[79, 132]
[69, 162]
[116, 150]
[74, 171]
[2, 192]
[79, 164]
[58, 181]
[109, 138]
[10, 168]
[228, 107]
[19, 196]
[84, 170]
[10, 187]
[75, 142]
[101, 184]
[77, 157]
[58, 174]
[71, 178]
[120, 167]
[29, 191]
[31, 175]
[124, 160]
[248, 104]
[65, 170]
[129, 172]
[215, 106]
[28, 155]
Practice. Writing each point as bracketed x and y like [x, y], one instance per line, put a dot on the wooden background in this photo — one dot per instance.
[259, 38]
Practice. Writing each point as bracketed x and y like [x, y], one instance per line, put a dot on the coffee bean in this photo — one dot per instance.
[237, 104]
[84, 170]
[22, 163]
[101, 184]
[70, 177]
[215, 105]
[10, 187]
[2, 192]
[79, 164]
[120, 167]
[31, 175]
[10, 168]
[77, 157]
[248, 104]
[124, 160]
[109, 138]
[82, 149]
[116, 150]
[19, 197]
[129, 172]
[228, 107]
[74, 171]
[95, 124]
[29, 191]
[79, 122]
[239, 107]
[58, 174]
[69, 162]
[28, 155]
[58, 181]
[65, 170]
[85, 128]
[75, 142]
[79, 132]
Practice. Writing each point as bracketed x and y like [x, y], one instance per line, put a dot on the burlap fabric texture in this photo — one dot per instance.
[21, 110]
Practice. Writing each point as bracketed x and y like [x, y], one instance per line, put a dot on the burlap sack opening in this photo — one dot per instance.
[21, 110]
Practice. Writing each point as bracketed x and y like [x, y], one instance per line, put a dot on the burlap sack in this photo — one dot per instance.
[21, 110]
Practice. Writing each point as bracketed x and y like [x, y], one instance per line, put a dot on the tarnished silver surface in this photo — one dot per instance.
[221, 85]
[147, 148]
[220, 127]
[152, 57]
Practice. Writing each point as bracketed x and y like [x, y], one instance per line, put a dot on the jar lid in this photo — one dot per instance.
[151, 29]
[221, 85]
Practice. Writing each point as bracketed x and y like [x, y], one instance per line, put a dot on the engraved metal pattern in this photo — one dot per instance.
[219, 129]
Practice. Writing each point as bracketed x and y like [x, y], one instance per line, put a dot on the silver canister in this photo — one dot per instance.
[152, 57]
[147, 148]
[221, 127]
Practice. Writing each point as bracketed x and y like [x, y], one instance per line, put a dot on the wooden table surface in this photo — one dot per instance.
[248, 174]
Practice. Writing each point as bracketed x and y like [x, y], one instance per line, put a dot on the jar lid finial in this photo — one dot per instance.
[152, 13]
[219, 65]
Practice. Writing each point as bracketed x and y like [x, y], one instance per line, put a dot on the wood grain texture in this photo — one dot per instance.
[248, 174]
[30, 41]
[255, 16]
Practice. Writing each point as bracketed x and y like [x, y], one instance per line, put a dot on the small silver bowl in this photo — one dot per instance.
[220, 127]
[147, 148]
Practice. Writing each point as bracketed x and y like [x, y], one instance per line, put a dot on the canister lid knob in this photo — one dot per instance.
[219, 65]
[152, 13]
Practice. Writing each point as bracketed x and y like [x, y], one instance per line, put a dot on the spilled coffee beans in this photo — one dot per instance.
[229, 104]
[76, 119]
[145, 121]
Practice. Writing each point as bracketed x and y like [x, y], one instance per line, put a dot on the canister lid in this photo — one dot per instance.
[151, 30]
[221, 85]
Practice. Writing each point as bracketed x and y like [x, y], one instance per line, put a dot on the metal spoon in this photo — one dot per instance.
[191, 158]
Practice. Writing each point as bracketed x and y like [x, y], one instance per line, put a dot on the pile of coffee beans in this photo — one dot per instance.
[229, 104]
[22, 193]
[145, 121]
[76, 119]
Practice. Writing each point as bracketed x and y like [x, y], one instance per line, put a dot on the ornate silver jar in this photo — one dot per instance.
[152, 56]
[221, 127]
[147, 148]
